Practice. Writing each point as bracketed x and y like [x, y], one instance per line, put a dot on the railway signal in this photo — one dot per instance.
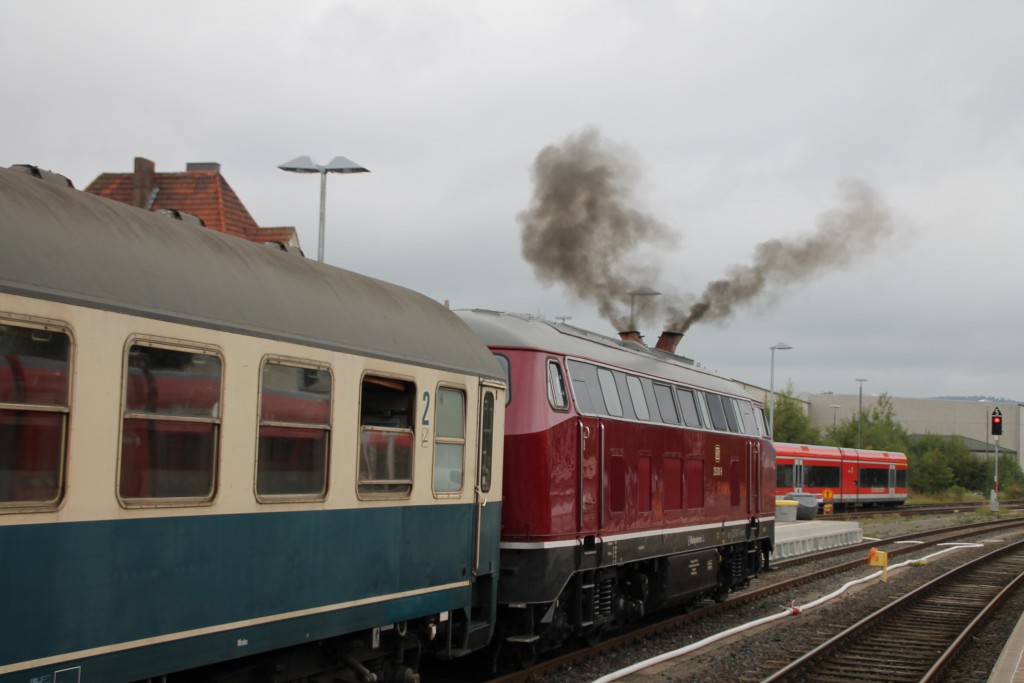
[997, 422]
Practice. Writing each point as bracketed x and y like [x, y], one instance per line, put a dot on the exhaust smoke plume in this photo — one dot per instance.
[844, 234]
[582, 228]
[583, 231]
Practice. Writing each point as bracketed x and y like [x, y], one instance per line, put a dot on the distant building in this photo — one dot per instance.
[200, 190]
[967, 420]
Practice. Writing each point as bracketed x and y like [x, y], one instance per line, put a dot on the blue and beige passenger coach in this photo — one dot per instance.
[216, 451]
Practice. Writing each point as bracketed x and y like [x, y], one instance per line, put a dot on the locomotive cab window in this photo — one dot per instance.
[171, 422]
[556, 386]
[689, 407]
[34, 410]
[449, 440]
[386, 437]
[294, 430]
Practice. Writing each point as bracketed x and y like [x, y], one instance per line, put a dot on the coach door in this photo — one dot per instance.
[798, 475]
[486, 520]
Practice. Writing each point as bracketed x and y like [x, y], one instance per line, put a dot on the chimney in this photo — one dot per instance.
[631, 336]
[202, 166]
[142, 182]
[668, 341]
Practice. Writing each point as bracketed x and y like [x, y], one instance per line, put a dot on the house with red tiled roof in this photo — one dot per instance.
[200, 191]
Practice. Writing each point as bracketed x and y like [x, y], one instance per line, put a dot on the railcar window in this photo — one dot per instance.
[486, 441]
[694, 483]
[901, 479]
[609, 392]
[818, 476]
[732, 417]
[294, 430]
[556, 386]
[636, 397]
[747, 415]
[874, 477]
[386, 436]
[450, 440]
[688, 406]
[784, 476]
[666, 404]
[169, 436]
[507, 370]
[717, 412]
[34, 411]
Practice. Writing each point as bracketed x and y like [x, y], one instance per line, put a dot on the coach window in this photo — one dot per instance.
[556, 386]
[449, 440]
[666, 405]
[34, 372]
[295, 425]
[169, 437]
[717, 412]
[688, 406]
[386, 437]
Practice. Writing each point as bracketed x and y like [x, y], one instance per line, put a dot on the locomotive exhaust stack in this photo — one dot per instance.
[631, 336]
[668, 341]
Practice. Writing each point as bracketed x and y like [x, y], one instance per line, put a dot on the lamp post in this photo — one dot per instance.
[640, 291]
[860, 409]
[781, 346]
[835, 407]
[336, 165]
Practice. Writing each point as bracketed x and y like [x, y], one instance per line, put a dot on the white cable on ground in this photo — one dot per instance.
[790, 612]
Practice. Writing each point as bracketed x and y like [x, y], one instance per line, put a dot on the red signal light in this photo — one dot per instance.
[997, 425]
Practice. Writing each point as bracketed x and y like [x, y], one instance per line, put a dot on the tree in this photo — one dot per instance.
[878, 428]
[791, 424]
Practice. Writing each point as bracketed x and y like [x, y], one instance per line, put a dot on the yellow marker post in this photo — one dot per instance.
[878, 558]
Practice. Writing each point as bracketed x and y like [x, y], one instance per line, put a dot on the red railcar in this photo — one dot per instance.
[847, 476]
[633, 480]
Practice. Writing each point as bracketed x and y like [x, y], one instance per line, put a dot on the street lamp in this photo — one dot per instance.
[641, 291]
[781, 346]
[336, 165]
[860, 409]
[835, 407]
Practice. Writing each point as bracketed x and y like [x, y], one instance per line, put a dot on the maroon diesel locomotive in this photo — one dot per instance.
[633, 481]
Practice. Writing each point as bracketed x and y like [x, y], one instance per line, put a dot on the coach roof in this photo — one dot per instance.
[61, 244]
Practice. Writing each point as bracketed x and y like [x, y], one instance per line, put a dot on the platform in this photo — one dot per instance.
[1009, 667]
[800, 538]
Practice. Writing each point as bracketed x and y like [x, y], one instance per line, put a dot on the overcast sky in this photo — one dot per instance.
[738, 122]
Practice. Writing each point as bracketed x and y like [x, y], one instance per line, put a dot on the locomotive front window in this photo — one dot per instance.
[731, 415]
[747, 414]
[171, 424]
[34, 372]
[295, 416]
[609, 392]
[450, 442]
[386, 437]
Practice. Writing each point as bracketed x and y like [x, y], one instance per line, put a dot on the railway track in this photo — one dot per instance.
[552, 669]
[915, 638]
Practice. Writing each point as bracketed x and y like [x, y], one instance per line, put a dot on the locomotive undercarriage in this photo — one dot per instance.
[603, 599]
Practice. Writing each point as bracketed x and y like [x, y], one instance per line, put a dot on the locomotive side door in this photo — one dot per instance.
[589, 465]
[753, 478]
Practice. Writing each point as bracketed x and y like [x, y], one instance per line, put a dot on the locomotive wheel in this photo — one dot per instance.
[593, 635]
[526, 655]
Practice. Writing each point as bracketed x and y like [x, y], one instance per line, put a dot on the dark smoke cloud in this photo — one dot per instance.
[844, 234]
[582, 228]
